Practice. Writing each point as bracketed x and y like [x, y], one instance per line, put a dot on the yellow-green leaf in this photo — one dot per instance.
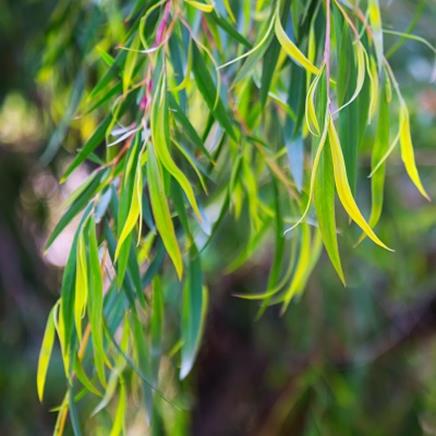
[95, 303]
[310, 113]
[203, 7]
[159, 135]
[81, 285]
[135, 211]
[313, 175]
[130, 64]
[374, 87]
[324, 201]
[308, 256]
[381, 144]
[343, 187]
[45, 352]
[291, 49]
[376, 24]
[84, 379]
[161, 211]
[407, 153]
[118, 426]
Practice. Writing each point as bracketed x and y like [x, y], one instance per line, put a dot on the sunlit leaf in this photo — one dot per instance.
[291, 49]
[343, 187]
[45, 352]
[407, 152]
[81, 288]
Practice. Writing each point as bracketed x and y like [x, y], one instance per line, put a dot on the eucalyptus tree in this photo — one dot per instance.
[196, 111]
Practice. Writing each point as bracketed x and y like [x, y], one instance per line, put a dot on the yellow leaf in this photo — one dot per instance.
[310, 112]
[308, 256]
[81, 285]
[407, 153]
[135, 210]
[200, 6]
[343, 187]
[45, 353]
[376, 24]
[291, 49]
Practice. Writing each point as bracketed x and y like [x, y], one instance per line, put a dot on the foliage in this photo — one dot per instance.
[195, 112]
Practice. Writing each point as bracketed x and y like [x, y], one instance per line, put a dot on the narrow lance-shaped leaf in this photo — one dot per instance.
[135, 210]
[381, 144]
[209, 91]
[308, 256]
[118, 426]
[310, 112]
[81, 285]
[95, 303]
[203, 7]
[270, 60]
[45, 352]
[159, 135]
[81, 198]
[129, 65]
[360, 77]
[92, 143]
[371, 66]
[324, 200]
[376, 25]
[291, 49]
[84, 379]
[407, 152]
[161, 211]
[193, 311]
[157, 320]
[343, 187]
[313, 175]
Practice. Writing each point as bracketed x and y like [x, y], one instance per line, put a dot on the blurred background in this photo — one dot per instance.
[359, 360]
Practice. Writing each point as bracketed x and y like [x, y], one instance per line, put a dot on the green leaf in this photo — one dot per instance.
[193, 313]
[135, 211]
[81, 289]
[95, 302]
[160, 137]
[324, 200]
[59, 134]
[84, 379]
[93, 142]
[228, 28]
[45, 352]
[157, 319]
[82, 197]
[307, 258]
[118, 426]
[161, 211]
[129, 66]
[381, 145]
[208, 90]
